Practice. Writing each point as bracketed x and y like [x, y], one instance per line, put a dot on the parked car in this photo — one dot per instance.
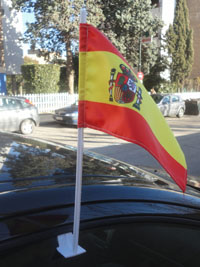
[67, 115]
[128, 217]
[17, 114]
[170, 104]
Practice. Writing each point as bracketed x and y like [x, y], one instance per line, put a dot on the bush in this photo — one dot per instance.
[40, 78]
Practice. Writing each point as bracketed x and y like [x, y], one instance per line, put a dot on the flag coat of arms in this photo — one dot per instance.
[113, 100]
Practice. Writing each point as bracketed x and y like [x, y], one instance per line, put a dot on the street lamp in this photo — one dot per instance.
[140, 74]
[140, 54]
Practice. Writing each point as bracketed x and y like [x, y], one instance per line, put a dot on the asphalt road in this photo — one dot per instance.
[186, 130]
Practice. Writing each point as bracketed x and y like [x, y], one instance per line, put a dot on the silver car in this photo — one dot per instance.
[170, 104]
[17, 114]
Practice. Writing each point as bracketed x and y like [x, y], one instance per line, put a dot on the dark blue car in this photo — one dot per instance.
[67, 115]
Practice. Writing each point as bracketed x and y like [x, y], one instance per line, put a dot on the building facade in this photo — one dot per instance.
[166, 9]
[194, 14]
[11, 50]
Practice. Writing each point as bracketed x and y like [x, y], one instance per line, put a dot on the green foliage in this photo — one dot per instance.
[130, 21]
[124, 22]
[192, 85]
[56, 25]
[168, 87]
[41, 78]
[57, 20]
[179, 39]
[154, 79]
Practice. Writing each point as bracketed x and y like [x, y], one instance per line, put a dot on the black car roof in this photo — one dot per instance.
[45, 198]
[37, 188]
[37, 211]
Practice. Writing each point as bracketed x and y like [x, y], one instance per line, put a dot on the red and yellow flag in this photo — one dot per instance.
[112, 100]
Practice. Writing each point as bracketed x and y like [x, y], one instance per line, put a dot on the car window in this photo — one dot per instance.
[25, 104]
[9, 103]
[157, 98]
[175, 99]
[166, 100]
[134, 244]
[144, 244]
[4, 103]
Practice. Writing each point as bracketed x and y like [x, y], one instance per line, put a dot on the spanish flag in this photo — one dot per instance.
[113, 100]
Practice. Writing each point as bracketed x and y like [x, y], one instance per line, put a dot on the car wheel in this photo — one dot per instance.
[180, 113]
[27, 126]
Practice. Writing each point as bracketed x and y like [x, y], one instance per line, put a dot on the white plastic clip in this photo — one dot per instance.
[65, 248]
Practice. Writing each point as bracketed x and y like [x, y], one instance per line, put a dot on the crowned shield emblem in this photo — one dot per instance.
[124, 87]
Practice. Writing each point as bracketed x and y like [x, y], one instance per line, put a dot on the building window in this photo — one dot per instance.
[155, 3]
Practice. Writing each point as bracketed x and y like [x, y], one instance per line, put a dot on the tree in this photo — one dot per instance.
[125, 22]
[130, 21]
[154, 79]
[179, 39]
[14, 84]
[56, 25]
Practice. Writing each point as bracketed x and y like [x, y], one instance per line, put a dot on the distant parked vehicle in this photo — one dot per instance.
[67, 115]
[170, 104]
[17, 114]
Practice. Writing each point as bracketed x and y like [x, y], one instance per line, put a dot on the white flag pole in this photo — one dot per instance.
[79, 168]
[68, 243]
[77, 208]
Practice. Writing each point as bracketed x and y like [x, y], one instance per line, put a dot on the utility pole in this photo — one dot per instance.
[140, 74]
[2, 55]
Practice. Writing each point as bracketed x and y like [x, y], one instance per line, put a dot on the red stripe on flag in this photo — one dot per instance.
[93, 40]
[129, 125]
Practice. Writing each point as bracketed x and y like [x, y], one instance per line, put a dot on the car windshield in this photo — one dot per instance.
[157, 98]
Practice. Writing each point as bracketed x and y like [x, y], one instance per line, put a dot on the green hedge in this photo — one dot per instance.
[62, 83]
[40, 78]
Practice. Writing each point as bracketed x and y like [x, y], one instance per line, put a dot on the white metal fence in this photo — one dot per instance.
[50, 102]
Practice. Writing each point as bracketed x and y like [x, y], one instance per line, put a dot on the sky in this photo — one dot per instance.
[26, 17]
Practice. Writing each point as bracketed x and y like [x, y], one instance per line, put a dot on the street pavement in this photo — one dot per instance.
[186, 130]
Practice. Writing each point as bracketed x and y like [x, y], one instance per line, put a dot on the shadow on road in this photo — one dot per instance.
[136, 155]
[48, 123]
[187, 131]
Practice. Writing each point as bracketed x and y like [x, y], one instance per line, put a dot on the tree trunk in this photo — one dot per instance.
[69, 68]
[14, 84]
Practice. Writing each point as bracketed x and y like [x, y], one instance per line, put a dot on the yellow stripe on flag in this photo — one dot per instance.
[95, 85]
